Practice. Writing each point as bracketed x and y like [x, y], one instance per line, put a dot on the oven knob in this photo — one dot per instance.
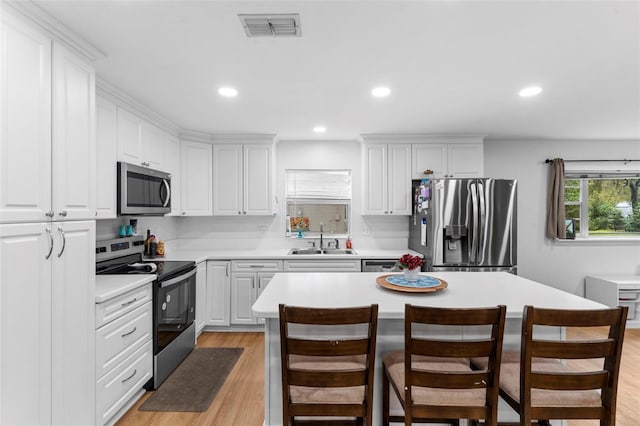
[164, 306]
[168, 298]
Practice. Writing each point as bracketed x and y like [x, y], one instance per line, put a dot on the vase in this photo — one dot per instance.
[411, 274]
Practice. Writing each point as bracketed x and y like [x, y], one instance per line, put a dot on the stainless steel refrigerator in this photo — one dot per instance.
[465, 224]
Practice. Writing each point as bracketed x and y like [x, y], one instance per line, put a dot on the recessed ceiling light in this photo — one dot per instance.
[319, 129]
[227, 92]
[381, 92]
[530, 91]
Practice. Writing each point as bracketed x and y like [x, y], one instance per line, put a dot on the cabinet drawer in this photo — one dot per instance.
[114, 389]
[120, 305]
[628, 294]
[122, 336]
[631, 313]
[256, 265]
[322, 265]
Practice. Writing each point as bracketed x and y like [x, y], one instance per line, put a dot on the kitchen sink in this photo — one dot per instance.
[318, 251]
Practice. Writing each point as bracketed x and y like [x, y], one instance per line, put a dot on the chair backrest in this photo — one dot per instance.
[487, 344]
[328, 348]
[608, 348]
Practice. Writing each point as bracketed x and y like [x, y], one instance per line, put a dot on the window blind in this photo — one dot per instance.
[318, 184]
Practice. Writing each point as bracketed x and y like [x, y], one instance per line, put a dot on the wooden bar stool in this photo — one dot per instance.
[433, 379]
[328, 358]
[540, 384]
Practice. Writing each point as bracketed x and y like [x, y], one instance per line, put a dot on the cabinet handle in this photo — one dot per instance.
[50, 243]
[63, 213]
[49, 213]
[256, 266]
[239, 212]
[64, 240]
[130, 302]
[391, 212]
[129, 333]
[244, 212]
[130, 377]
[253, 282]
[184, 213]
[227, 270]
[386, 212]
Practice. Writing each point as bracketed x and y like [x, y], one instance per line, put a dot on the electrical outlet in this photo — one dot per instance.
[262, 230]
[366, 229]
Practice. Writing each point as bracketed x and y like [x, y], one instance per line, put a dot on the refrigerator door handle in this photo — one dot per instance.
[474, 232]
[482, 250]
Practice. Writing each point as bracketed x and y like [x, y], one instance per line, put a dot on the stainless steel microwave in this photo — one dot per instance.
[143, 191]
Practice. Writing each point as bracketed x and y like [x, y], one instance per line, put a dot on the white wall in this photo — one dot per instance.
[257, 232]
[559, 264]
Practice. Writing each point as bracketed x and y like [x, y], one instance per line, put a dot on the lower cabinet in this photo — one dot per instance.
[218, 293]
[47, 314]
[248, 280]
[124, 350]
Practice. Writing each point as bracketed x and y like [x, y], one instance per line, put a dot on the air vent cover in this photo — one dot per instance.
[275, 25]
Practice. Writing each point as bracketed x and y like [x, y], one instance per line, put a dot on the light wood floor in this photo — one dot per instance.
[240, 401]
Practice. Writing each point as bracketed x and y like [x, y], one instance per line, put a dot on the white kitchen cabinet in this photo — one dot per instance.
[139, 142]
[321, 265]
[387, 179]
[47, 316]
[106, 136]
[48, 148]
[242, 179]
[201, 295]
[454, 160]
[248, 279]
[173, 167]
[218, 293]
[616, 290]
[196, 173]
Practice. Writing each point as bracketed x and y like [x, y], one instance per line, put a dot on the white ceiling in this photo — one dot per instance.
[452, 66]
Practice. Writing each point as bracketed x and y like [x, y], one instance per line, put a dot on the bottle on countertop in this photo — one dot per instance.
[348, 243]
[146, 243]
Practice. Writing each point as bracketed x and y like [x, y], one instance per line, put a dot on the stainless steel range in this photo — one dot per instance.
[174, 297]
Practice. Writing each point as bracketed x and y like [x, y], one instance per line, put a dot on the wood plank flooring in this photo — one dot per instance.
[240, 401]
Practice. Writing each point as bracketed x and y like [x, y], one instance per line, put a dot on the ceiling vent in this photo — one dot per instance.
[275, 25]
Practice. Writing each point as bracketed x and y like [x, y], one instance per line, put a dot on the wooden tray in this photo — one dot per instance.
[382, 282]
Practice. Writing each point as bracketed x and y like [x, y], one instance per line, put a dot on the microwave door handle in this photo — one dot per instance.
[168, 188]
[176, 280]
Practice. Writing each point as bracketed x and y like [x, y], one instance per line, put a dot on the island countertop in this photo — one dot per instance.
[465, 290]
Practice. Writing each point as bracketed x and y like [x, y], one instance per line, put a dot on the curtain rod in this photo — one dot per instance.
[625, 161]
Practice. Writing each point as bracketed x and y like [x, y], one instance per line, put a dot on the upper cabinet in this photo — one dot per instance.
[173, 166]
[47, 148]
[106, 135]
[139, 142]
[387, 178]
[243, 178]
[448, 158]
[196, 165]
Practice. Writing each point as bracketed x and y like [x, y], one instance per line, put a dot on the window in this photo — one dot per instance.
[603, 204]
[318, 198]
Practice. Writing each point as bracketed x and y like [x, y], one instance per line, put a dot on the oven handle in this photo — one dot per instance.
[173, 281]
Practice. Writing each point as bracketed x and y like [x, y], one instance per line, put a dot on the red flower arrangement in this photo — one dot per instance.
[410, 262]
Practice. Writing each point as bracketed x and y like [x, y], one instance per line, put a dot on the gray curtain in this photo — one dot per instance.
[556, 227]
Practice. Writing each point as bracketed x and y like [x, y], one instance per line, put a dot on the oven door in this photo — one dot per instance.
[174, 308]
[143, 191]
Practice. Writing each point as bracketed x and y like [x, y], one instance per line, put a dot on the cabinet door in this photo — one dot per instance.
[466, 160]
[375, 179]
[263, 279]
[73, 323]
[243, 290]
[218, 299]
[257, 182]
[25, 97]
[25, 321]
[227, 180]
[106, 159]
[129, 138]
[429, 157]
[154, 146]
[173, 167]
[201, 295]
[74, 137]
[399, 179]
[197, 194]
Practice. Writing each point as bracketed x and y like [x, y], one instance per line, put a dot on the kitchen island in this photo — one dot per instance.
[464, 290]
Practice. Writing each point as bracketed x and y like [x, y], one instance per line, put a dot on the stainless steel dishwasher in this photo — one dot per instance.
[379, 265]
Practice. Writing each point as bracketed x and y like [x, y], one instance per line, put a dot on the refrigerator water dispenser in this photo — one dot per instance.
[455, 244]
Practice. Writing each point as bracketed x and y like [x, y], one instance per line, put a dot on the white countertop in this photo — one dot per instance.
[110, 286]
[277, 253]
[465, 290]
[618, 279]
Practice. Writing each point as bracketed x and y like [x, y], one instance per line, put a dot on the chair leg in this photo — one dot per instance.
[385, 398]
